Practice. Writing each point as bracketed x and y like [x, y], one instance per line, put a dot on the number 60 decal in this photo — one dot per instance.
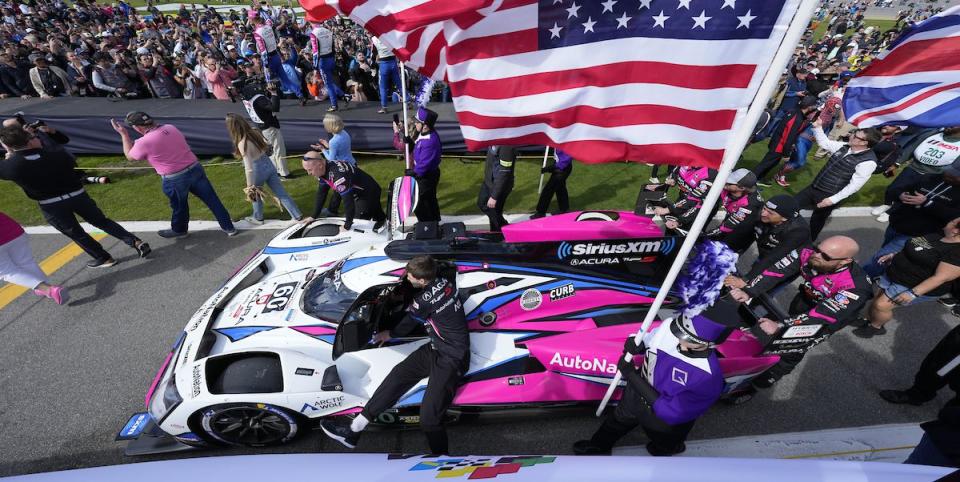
[280, 297]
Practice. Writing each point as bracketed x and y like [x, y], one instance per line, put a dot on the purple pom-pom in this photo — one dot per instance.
[701, 283]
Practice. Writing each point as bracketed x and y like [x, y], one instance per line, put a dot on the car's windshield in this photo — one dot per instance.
[327, 298]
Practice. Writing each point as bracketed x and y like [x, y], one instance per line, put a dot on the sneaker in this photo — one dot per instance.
[587, 447]
[253, 220]
[171, 234]
[340, 431]
[378, 226]
[902, 397]
[303, 102]
[860, 322]
[658, 451]
[869, 331]
[233, 232]
[143, 249]
[285, 178]
[346, 99]
[332, 109]
[58, 294]
[101, 263]
[653, 180]
[538, 215]
[382, 110]
[879, 210]
[949, 301]
[763, 184]
[782, 181]
[883, 218]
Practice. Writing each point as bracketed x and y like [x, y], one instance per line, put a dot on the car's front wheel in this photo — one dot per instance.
[249, 424]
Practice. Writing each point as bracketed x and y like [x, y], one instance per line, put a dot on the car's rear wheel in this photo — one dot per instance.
[249, 424]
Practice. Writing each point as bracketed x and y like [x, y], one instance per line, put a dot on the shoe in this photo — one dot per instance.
[869, 331]
[879, 210]
[860, 322]
[587, 447]
[58, 294]
[378, 226]
[658, 451]
[332, 109]
[253, 220]
[326, 213]
[763, 184]
[382, 110]
[538, 215]
[303, 102]
[143, 249]
[346, 100]
[340, 431]
[902, 397]
[101, 263]
[883, 218]
[285, 178]
[654, 180]
[949, 301]
[740, 397]
[233, 232]
[782, 181]
[171, 234]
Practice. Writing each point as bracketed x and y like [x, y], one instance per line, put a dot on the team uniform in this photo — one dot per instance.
[693, 183]
[265, 38]
[497, 183]
[359, 191]
[321, 41]
[742, 214]
[556, 184]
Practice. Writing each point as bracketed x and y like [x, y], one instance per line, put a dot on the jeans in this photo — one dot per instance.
[265, 173]
[893, 242]
[799, 158]
[325, 66]
[193, 181]
[62, 215]
[389, 72]
[274, 71]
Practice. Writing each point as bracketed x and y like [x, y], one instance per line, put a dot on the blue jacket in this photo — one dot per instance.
[340, 149]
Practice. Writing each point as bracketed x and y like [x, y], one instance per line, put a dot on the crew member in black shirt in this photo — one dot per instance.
[497, 184]
[48, 177]
[781, 230]
[359, 191]
[443, 360]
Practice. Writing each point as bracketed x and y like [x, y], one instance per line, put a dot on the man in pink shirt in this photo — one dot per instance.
[219, 77]
[164, 147]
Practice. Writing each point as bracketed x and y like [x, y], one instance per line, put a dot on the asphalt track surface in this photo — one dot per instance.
[70, 376]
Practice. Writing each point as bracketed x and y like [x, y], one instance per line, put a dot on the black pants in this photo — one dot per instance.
[444, 377]
[334, 205]
[62, 216]
[767, 164]
[495, 215]
[926, 383]
[368, 205]
[557, 184]
[428, 208]
[633, 411]
[808, 199]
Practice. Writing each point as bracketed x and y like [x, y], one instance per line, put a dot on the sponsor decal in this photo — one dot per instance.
[197, 379]
[562, 292]
[277, 301]
[437, 288]
[514, 381]
[573, 250]
[594, 365]
[801, 331]
[476, 467]
[679, 376]
[186, 354]
[531, 299]
[491, 284]
[321, 405]
[299, 256]
[308, 372]
[326, 241]
[850, 295]
[488, 318]
[134, 426]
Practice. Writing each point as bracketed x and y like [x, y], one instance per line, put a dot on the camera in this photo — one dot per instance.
[28, 125]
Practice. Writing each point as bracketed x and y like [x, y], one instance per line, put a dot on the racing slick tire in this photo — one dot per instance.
[248, 424]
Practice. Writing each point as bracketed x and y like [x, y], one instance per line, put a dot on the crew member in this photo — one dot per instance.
[833, 292]
[321, 42]
[497, 184]
[693, 183]
[443, 360]
[427, 152]
[388, 72]
[359, 191]
[780, 231]
[679, 381]
[48, 177]
[261, 103]
[267, 45]
[742, 205]
[557, 183]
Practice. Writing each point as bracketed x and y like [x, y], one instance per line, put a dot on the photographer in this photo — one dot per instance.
[48, 177]
[190, 84]
[219, 77]
[156, 76]
[48, 80]
[108, 78]
[261, 101]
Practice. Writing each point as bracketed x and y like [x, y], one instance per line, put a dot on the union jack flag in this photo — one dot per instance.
[915, 82]
[649, 80]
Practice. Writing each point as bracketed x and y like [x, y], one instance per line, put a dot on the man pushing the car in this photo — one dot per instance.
[443, 360]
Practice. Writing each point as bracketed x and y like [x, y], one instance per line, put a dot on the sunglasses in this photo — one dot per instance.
[825, 256]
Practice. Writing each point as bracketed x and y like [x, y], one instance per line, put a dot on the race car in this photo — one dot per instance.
[287, 339]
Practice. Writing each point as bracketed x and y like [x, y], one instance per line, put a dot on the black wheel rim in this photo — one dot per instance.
[249, 426]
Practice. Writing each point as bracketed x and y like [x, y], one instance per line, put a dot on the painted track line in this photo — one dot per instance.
[50, 265]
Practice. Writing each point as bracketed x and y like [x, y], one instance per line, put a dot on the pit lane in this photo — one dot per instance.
[72, 375]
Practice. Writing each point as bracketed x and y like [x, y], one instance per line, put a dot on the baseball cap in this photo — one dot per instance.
[784, 205]
[815, 71]
[744, 178]
[953, 169]
[138, 118]
[143, 51]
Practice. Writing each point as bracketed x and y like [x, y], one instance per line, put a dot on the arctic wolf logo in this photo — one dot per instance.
[478, 467]
[568, 250]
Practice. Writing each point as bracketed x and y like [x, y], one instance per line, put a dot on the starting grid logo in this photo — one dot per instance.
[478, 468]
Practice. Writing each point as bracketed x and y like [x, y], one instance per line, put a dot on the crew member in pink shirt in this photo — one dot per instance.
[17, 265]
[164, 147]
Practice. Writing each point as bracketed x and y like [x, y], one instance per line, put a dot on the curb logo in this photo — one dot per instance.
[478, 467]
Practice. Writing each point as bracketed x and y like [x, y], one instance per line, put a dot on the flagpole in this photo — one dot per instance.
[735, 147]
[546, 154]
[403, 101]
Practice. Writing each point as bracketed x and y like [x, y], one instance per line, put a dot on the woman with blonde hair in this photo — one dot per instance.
[338, 148]
[250, 145]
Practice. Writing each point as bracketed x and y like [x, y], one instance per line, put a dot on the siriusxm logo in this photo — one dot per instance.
[567, 250]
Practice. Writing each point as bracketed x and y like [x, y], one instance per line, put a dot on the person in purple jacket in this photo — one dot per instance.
[679, 381]
[427, 150]
[557, 184]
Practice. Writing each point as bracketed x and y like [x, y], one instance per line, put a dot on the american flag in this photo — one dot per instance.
[647, 80]
[915, 82]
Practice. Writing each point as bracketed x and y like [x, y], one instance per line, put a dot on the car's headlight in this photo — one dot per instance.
[165, 399]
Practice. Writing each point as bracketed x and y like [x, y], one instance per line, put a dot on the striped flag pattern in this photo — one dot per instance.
[915, 82]
[658, 81]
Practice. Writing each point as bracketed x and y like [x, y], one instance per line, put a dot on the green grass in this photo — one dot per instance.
[136, 195]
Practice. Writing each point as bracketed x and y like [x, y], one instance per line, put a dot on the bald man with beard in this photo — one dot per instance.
[833, 292]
